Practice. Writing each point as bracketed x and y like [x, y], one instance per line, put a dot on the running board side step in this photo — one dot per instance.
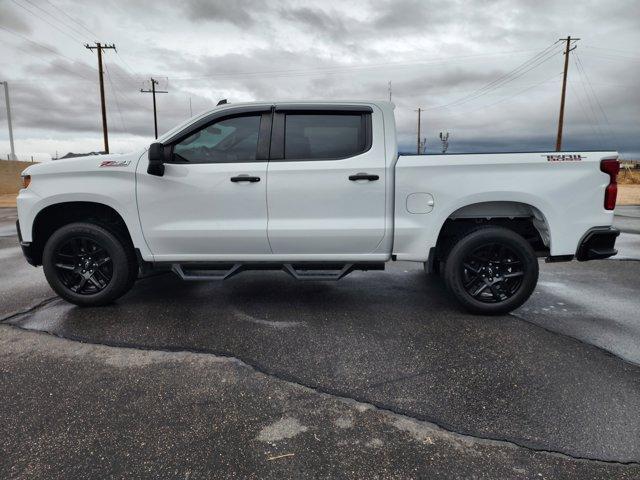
[299, 271]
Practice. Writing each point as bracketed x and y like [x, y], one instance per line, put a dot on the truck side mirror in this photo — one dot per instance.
[156, 159]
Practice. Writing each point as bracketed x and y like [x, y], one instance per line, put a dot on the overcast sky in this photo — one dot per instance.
[455, 59]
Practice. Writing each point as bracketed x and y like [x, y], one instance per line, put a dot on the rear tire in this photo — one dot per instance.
[491, 271]
[89, 265]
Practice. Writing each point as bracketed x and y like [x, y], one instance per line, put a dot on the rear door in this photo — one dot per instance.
[326, 181]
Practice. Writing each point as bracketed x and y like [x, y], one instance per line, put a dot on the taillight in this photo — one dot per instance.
[610, 167]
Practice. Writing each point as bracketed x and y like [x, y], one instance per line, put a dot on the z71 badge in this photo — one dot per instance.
[564, 158]
[115, 163]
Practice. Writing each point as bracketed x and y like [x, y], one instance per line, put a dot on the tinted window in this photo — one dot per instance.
[323, 136]
[227, 141]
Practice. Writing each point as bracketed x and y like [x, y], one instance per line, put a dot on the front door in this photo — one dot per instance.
[210, 204]
[326, 182]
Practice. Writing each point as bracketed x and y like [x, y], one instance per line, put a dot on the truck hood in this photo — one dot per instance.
[91, 163]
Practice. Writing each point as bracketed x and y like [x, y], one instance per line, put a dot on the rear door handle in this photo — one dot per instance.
[363, 176]
[245, 178]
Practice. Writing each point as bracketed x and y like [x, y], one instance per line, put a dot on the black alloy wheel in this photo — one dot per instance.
[492, 273]
[83, 265]
[89, 264]
[491, 270]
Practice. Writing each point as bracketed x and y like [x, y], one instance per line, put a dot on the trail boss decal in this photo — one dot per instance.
[115, 163]
[564, 158]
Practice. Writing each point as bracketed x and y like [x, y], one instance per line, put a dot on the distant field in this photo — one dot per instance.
[10, 172]
[629, 194]
[629, 177]
[8, 200]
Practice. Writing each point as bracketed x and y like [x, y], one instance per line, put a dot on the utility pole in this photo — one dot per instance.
[418, 142]
[99, 47]
[444, 138]
[12, 155]
[564, 89]
[153, 91]
[389, 90]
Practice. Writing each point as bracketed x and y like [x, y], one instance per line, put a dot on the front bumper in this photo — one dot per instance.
[598, 243]
[27, 248]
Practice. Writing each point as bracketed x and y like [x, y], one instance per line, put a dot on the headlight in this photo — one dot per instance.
[26, 180]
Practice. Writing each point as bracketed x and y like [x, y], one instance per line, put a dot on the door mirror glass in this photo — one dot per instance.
[156, 159]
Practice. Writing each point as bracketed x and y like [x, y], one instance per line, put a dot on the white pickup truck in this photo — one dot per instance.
[318, 190]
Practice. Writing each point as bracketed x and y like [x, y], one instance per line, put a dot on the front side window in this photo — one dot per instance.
[227, 141]
[324, 136]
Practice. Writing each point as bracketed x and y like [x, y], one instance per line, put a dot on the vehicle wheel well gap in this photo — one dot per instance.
[51, 218]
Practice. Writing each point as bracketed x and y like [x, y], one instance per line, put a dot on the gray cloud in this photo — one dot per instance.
[10, 19]
[332, 25]
[238, 12]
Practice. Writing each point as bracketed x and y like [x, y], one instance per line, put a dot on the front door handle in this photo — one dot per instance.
[363, 176]
[245, 178]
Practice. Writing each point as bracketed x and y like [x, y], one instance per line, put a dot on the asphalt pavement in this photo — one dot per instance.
[378, 375]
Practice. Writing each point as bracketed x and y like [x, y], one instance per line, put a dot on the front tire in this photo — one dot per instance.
[89, 265]
[491, 271]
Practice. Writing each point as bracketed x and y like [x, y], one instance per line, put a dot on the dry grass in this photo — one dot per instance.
[629, 177]
[10, 176]
[628, 194]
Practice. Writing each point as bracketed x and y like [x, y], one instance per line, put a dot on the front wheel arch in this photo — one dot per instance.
[55, 216]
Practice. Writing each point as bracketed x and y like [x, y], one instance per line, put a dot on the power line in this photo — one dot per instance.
[340, 68]
[589, 101]
[47, 22]
[66, 25]
[128, 99]
[115, 96]
[41, 45]
[72, 19]
[520, 69]
[627, 52]
[610, 56]
[593, 124]
[518, 93]
[525, 67]
[506, 78]
[45, 47]
[595, 96]
[127, 69]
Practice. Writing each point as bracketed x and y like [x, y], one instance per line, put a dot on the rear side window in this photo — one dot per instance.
[319, 136]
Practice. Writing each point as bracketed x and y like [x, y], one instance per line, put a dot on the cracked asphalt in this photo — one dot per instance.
[377, 376]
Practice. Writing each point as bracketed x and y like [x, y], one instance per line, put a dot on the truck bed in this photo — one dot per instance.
[568, 187]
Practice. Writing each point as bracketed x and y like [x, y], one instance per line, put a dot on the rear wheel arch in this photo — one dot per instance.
[522, 218]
